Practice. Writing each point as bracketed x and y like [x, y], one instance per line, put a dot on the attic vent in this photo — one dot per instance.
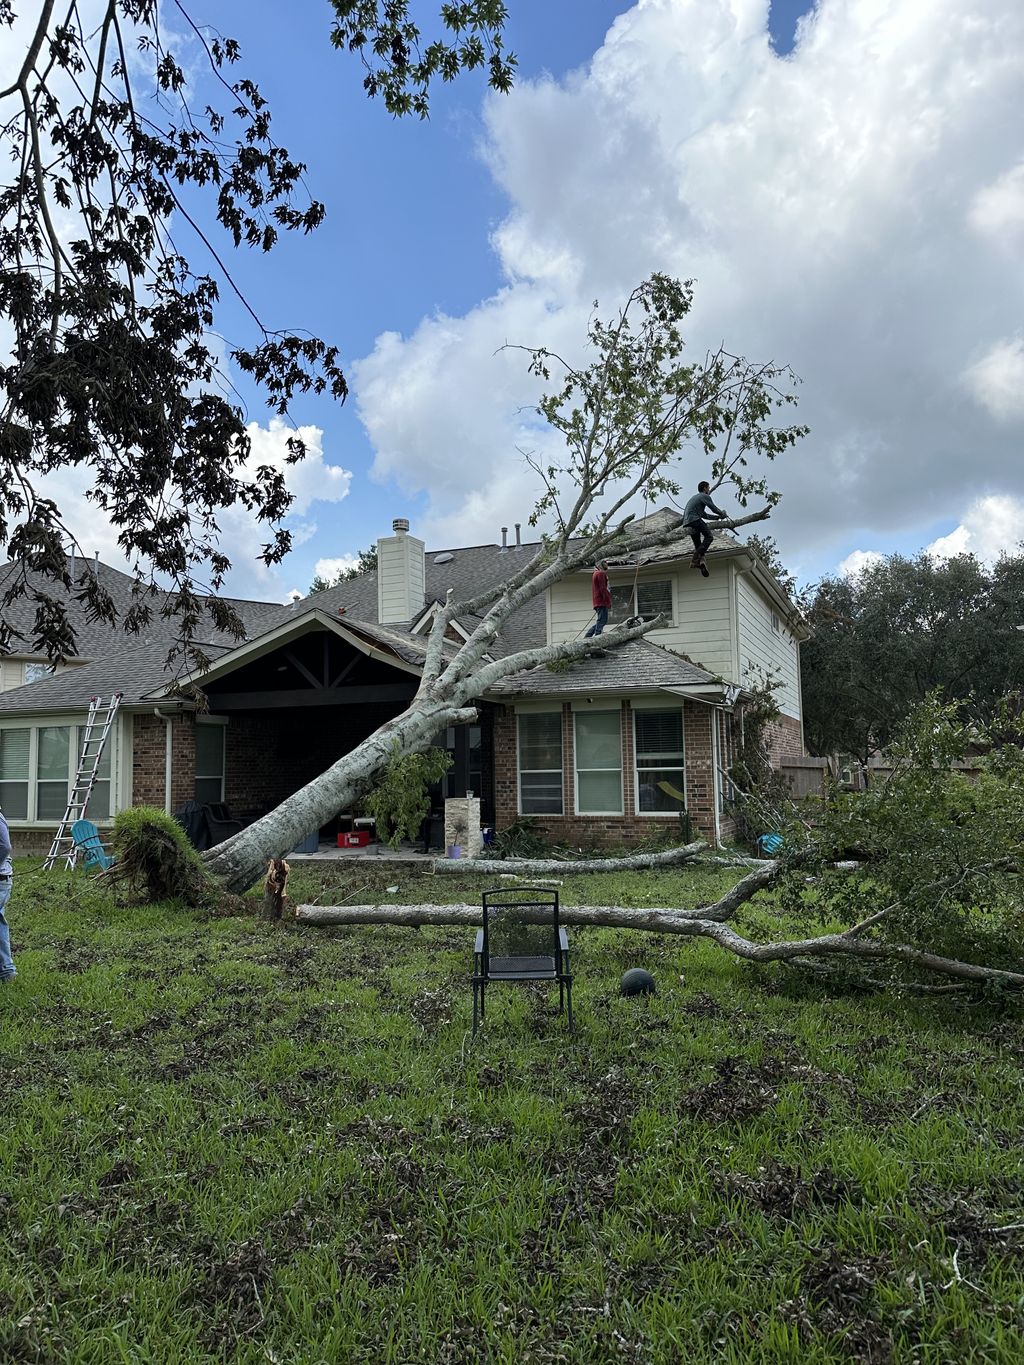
[446, 558]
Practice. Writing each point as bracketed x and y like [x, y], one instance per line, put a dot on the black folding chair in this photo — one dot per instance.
[521, 940]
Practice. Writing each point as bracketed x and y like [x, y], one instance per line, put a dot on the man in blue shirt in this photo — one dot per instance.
[7, 968]
[693, 521]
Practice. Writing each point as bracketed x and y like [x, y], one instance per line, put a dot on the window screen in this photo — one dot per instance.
[14, 757]
[598, 763]
[209, 763]
[540, 763]
[654, 599]
[659, 759]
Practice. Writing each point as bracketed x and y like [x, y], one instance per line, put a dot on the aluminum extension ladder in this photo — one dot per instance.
[94, 741]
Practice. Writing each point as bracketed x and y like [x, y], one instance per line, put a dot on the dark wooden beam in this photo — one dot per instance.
[297, 664]
[300, 697]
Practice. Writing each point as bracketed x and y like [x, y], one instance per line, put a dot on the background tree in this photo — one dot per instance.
[766, 547]
[901, 629]
[366, 562]
[112, 369]
[624, 419]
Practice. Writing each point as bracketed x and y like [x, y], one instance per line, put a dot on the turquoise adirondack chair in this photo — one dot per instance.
[87, 838]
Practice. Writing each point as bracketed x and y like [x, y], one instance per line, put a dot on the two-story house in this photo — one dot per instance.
[599, 752]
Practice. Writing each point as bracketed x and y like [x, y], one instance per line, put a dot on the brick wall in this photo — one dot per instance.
[785, 740]
[271, 754]
[149, 738]
[609, 830]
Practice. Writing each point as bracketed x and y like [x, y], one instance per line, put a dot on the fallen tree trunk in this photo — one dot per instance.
[671, 857]
[661, 919]
[690, 924]
[706, 921]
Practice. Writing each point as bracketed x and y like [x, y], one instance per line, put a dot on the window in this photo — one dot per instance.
[14, 771]
[540, 763]
[52, 771]
[38, 765]
[645, 599]
[33, 672]
[99, 799]
[209, 763]
[775, 622]
[598, 763]
[658, 739]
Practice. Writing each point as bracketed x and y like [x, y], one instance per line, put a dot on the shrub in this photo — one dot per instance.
[401, 800]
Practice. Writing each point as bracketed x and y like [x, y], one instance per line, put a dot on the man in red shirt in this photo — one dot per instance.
[601, 598]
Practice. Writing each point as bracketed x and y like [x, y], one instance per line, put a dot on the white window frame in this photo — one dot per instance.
[638, 706]
[585, 710]
[75, 724]
[550, 814]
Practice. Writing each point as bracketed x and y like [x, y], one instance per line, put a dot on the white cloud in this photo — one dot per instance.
[857, 561]
[845, 209]
[993, 526]
[996, 381]
[998, 209]
[330, 568]
[312, 481]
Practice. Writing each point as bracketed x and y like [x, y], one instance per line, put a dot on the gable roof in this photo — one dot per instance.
[141, 673]
[93, 638]
[135, 672]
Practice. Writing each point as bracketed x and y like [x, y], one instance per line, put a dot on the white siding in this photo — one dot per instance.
[702, 628]
[765, 651]
[401, 578]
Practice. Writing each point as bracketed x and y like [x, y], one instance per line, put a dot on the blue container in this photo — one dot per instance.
[308, 845]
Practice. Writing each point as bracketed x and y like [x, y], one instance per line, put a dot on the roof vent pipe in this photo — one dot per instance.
[504, 537]
[400, 525]
[519, 539]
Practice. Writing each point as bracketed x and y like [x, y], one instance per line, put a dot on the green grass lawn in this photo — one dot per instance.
[222, 1139]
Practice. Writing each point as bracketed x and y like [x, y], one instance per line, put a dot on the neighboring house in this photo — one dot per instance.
[581, 750]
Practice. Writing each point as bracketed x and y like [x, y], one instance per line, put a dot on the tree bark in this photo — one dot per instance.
[671, 857]
[691, 924]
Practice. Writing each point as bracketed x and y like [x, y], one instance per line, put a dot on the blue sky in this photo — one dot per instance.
[411, 206]
[845, 183]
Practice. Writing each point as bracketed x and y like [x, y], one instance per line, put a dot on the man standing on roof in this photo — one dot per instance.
[693, 521]
[601, 598]
[7, 968]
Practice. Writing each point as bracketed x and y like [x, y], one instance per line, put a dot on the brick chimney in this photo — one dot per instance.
[401, 575]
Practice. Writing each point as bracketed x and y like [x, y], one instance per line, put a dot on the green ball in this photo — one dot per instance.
[637, 982]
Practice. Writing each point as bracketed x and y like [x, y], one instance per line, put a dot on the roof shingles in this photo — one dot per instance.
[139, 670]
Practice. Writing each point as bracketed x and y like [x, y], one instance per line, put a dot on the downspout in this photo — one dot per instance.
[716, 776]
[168, 753]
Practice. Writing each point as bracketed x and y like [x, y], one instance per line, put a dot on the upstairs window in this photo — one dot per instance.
[643, 599]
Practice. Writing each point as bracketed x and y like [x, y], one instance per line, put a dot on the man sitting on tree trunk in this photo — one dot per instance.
[693, 521]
